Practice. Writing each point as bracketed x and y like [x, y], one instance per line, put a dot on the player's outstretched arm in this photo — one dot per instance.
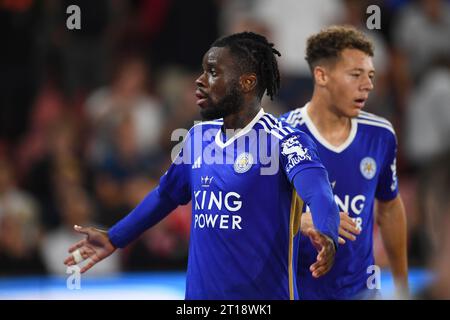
[95, 247]
[347, 227]
[314, 188]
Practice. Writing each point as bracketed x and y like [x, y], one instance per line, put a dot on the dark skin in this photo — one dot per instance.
[221, 72]
[219, 86]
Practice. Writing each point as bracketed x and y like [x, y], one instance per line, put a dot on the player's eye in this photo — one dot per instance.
[213, 72]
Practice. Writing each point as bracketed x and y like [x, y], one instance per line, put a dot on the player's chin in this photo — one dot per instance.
[208, 113]
[353, 112]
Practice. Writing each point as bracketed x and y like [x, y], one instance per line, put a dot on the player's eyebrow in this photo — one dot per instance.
[210, 64]
[371, 71]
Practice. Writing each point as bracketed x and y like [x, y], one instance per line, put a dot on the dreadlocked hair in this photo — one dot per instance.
[255, 54]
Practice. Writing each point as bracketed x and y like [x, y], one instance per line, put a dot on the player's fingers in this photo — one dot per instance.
[80, 229]
[319, 263]
[324, 264]
[89, 265]
[351, 227]
[327, 252]
[322, 254]
[70, 261]
[321, 271]
[344, 216]
[316, 265]
[341, 240]
[77, 245]
[89, 253]
[347, 235]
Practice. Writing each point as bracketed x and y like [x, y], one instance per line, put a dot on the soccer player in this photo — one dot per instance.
[358, 150]
[245, 209]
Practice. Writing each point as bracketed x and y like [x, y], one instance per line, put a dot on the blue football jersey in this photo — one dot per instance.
[361, 170]
[245, 212]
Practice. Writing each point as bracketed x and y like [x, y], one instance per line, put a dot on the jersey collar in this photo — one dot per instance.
[312, 128]
[240, 132]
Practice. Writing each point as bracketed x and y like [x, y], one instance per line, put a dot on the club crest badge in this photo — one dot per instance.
[243, 162]
[368, 167]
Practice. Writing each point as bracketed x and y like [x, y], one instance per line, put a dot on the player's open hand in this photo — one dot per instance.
[347, 227]
[95, 247]
[326, 252]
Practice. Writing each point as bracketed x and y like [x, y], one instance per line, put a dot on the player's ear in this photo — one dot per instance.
[320, 76]
[248, 82]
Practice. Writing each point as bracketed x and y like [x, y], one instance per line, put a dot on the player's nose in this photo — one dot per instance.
[200, 82]
[367, 85]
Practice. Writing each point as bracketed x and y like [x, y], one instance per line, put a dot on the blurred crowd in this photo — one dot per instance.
[86, 115]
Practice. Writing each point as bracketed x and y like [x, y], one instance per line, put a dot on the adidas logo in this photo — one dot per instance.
[197, 163]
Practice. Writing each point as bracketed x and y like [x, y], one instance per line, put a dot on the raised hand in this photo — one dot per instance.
[95, 247]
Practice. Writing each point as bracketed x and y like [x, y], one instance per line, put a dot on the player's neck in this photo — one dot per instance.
[335, 128]
[240, 119]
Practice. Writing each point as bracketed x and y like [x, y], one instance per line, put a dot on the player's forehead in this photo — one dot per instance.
[355, 59]
[219, 57]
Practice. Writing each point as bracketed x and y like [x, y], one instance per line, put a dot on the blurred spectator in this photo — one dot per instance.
[75, 208]
[19, 228]
[125, 110]
[422, 33]
[163, 247]
[59, 166]
[47, 109]
[109, 196]
[291, 23]
[428, 116]
[427, 124]
[437, 205]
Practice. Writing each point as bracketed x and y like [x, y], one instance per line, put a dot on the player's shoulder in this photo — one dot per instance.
[375, 123]
[204, 125]
[276, 127]
[283, 131]
[294, 117]
[197, 131]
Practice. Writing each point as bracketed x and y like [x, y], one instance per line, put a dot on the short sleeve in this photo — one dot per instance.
[387, 188]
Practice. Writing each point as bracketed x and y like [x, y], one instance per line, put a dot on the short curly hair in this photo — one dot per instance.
[330, 42]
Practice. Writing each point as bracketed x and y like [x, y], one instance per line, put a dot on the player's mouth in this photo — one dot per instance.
[202, 98]
[360, 102]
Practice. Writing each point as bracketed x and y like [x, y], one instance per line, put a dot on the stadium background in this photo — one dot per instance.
[86, 117]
